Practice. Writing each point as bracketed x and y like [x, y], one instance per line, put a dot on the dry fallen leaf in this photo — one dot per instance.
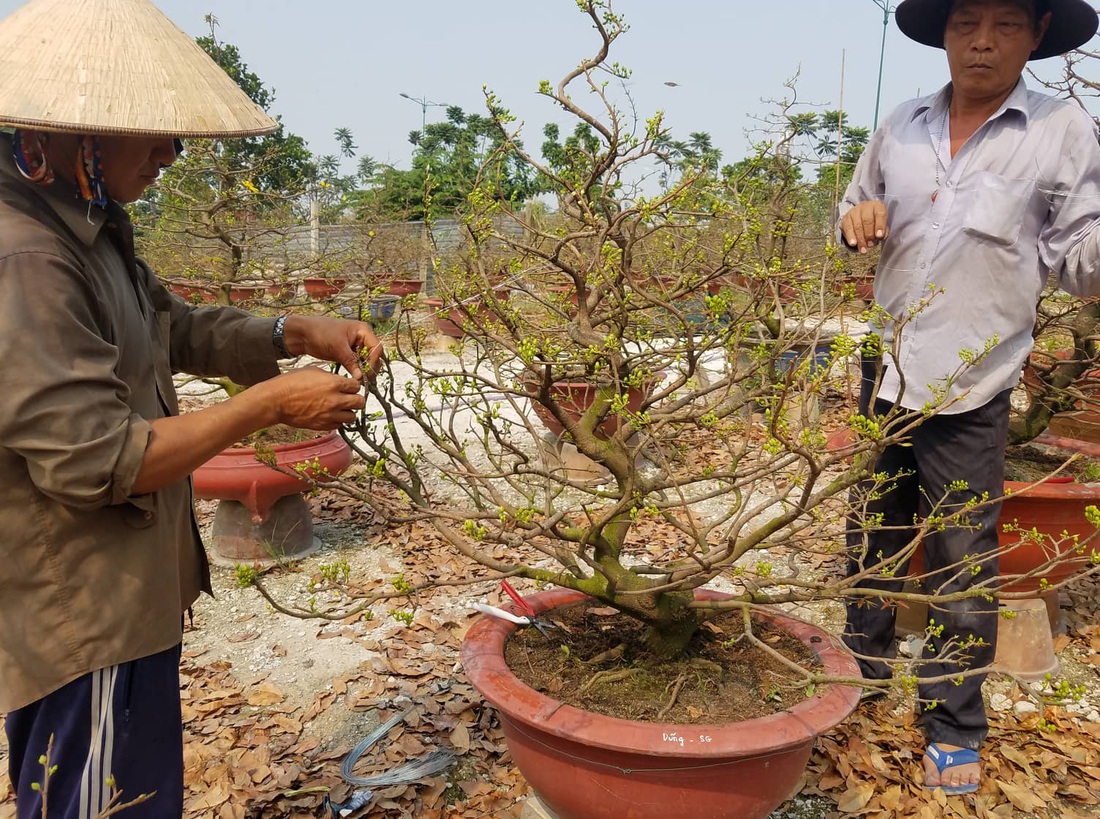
[460, 738]
[856, 798]
[1019, 795]
[266, 694]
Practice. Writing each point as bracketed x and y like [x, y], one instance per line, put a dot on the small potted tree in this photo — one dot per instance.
[262, 515]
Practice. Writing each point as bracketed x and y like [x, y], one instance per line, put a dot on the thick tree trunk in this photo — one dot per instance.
[672, 624]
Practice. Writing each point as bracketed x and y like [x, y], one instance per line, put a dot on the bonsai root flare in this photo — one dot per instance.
[676, 686]
[605, 677]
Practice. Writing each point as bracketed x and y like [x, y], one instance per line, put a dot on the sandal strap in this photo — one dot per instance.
[944, 760]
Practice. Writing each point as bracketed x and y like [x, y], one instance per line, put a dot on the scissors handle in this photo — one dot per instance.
[524, 606]
[493, 611]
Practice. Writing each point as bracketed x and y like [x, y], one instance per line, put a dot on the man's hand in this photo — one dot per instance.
[310, 398]
[337, 340]
[864, 226]
[306, 398]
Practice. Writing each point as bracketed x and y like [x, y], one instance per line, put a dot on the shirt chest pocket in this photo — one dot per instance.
[996, 207]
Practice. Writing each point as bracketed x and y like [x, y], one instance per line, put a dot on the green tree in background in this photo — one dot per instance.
[823, 131]
[222, 199]
[696, 156]
[283, 158]
[450, 160]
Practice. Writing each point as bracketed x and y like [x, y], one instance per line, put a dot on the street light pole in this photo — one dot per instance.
[423, 103]
[887, 10]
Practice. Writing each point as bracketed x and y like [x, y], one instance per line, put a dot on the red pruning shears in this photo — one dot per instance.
[527, 616]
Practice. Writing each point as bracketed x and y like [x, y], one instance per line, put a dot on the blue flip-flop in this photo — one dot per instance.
[944, 760]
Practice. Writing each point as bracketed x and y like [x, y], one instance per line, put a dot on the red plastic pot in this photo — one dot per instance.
[862, 287]
[404, 287]
[714, 286]
[324, 288]
[238, 292]
[262, 515]
[575, 397]
[566, 293]
[444, 321]
[236, 473]
[282, 292]
[192, 294]
[761, 288]
[588, 766]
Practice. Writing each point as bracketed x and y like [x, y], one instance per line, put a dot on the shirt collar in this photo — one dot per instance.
[933, 106]
[84, 219]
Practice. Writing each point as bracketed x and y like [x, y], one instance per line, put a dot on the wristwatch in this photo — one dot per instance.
[277, 339]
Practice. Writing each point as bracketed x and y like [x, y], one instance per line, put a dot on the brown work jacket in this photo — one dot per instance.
[92, 575]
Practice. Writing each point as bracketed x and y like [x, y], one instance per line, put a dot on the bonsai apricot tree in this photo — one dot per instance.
[680, 342]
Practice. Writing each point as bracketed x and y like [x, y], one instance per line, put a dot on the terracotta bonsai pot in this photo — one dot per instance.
[861, 287]
[587, 766]
[760, 288]
[575, 397]
[318, 288]
[240, 292]
[281, 291]
[262, 515]
[444, 321]
[477, 311]
[192, 294]
[567, 294]
[404, 287]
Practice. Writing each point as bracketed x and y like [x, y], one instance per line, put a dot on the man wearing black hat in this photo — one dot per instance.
[975, 193]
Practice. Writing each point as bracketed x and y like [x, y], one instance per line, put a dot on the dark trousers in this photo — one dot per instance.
[925, 476]
[120, 724]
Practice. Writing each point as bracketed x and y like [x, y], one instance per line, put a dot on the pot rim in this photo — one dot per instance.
[1055, 490]
[291, 446]
[483, 661]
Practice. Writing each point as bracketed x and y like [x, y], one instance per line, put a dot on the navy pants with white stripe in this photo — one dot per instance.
[119, 725]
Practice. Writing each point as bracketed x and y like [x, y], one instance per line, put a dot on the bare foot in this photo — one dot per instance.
[954, 776]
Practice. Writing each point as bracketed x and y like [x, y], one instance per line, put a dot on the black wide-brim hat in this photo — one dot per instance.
[1072, 24]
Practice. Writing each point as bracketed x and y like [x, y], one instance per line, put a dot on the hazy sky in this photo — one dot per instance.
[344, 63]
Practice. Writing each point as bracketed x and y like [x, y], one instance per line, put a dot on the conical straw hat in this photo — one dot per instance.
[115, 67]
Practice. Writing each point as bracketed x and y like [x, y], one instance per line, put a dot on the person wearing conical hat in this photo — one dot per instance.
[100, 555]
[975, 193]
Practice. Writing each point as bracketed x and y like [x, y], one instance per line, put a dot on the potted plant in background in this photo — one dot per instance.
[223, 213]
[260, 482]
[262, 515]
[324, 288]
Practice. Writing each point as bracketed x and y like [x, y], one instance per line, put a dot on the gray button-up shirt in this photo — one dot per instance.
[962, 272]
